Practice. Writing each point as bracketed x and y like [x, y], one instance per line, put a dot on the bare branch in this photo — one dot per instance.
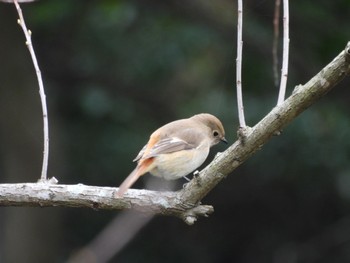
[45, 195]
[185, 203]
[276, 33]
[302, 98]
[28, 36]
[241, 118]
[284, 74]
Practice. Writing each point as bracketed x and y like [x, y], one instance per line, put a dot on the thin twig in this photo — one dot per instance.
[284, 74]
[29, 44]
[276, 33]
[242, 123]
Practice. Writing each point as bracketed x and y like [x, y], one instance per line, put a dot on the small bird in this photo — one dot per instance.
[176, 149]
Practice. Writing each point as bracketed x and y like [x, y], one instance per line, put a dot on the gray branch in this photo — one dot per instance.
[50, 195]
[185, 203]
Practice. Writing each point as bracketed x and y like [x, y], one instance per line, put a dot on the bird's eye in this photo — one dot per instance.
[215, 133]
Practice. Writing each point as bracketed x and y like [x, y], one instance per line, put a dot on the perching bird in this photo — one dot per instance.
[177, 149]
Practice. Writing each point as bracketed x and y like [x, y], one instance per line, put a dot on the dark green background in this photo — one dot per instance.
[116, 70]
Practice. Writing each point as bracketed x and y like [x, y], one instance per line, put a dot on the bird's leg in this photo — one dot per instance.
[187, 179]
[197, 178]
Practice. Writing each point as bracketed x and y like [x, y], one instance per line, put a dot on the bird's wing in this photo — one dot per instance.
[184, 139]
[166, 145]
[169, 145]
[140, 154]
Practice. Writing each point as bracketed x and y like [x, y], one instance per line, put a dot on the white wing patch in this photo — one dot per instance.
[167, 145]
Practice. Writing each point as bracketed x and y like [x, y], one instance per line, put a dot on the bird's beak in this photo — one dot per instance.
[223, 139]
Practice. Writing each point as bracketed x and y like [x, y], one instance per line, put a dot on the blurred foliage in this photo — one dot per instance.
[116, 70]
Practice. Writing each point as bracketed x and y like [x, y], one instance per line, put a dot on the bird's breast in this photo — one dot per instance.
[175, 165]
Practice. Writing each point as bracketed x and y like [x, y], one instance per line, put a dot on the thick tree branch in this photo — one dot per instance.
[303, 97]
[46, 194]
[186, 202]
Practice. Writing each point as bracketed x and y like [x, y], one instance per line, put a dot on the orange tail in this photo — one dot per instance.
[141, 169]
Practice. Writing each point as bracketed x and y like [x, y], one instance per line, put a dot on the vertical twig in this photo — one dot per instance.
[284, 74]
[29, 44]
[276, 33]
[242, 123]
